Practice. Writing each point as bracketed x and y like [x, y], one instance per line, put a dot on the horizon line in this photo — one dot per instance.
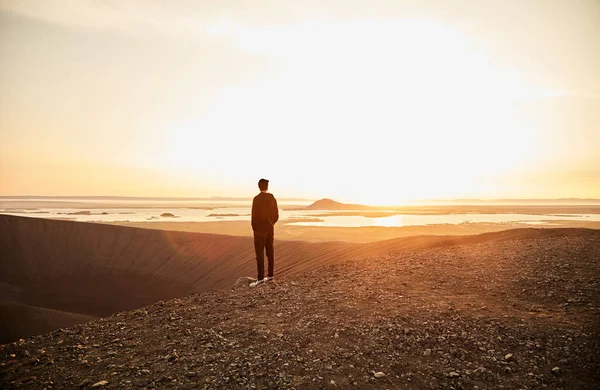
[217, 197]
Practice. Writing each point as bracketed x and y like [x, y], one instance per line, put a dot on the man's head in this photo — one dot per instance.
[263, 184]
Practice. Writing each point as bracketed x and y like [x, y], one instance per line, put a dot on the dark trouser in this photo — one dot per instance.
[264, 241]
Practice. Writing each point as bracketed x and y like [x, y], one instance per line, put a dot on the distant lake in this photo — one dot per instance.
[149, 202]
[451, 219]
[241, 212]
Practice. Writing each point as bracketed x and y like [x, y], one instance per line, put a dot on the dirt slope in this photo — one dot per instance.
[18, 320]
[518, 310]
[97, 270]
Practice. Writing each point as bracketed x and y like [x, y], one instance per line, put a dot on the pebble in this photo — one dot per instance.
[100, 384]
[556, 370]
[379, 374]
[427, 352]
[508, 356]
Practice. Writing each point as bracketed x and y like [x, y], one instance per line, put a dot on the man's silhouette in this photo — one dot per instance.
[264, 216]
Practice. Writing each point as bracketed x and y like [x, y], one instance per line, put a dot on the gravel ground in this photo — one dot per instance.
[514, 314]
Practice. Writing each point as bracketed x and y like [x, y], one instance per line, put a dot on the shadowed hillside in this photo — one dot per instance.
[514, 310]
[18, 320]
[97, 270]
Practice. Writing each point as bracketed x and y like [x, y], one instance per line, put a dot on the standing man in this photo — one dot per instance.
[264, 216]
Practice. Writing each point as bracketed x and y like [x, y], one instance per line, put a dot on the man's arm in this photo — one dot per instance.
[254, 214]
[275, 212]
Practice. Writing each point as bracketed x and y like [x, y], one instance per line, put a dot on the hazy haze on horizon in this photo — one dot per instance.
[371, 102]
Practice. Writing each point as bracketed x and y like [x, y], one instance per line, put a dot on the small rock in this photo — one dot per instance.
[332, 382]
[556, 370]
[508, 356]
[427, 352]
[379, 374]
[244, 281]
[453, 374]
[100, 384]
[85, 382]
[173, 357]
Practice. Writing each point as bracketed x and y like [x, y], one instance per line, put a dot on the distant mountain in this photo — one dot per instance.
[329, 204]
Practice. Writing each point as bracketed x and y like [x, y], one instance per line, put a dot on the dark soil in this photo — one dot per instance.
[519, 313]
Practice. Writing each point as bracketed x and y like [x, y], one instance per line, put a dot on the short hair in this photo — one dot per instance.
[263, 184]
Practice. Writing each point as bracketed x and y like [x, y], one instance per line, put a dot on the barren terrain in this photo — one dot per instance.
[515, 309]
[79, 270]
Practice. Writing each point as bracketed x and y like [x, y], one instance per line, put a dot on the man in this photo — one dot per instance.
[264, 216]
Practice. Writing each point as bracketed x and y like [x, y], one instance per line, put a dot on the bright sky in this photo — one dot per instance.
[366, 101]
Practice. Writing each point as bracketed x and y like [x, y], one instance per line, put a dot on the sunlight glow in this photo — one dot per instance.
[377, 102]
[412, 107]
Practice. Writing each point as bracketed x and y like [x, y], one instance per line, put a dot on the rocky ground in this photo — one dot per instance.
[515, 314]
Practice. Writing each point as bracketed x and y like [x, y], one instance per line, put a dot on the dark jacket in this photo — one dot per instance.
[264, 212]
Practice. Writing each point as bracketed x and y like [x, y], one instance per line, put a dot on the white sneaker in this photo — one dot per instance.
[268, 278]
[256, 283]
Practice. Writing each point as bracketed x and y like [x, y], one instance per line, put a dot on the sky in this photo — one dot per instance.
[373, 101]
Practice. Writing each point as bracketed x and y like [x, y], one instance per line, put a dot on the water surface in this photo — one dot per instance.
[241, 212]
